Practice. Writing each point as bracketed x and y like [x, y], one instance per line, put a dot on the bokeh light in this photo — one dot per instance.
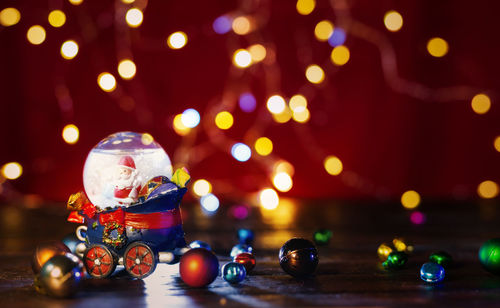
[337, 38]
[283, 116]
[269, 199]
[257, 52]
[134, 17]
[190, 118]
[106, 81]
[302, 116]
[12, 170]
[242, 58]
[9, 16]
[57, 18]
[315, 74]
[481, 103]
[340, 55]
[496, 143]
[247, 102]
[222, 24]
[202, 187]
[284, 166]
[241, 25]
[487, 189]
[410, 199]
[209, 202]
[224, 120]
[333, 165]
[298, 103]
[146, 139]
[75, 2]
[179, 127]
[393, 21]
[282, 181]
[36, 34]
[276, 104]
[69, 49]
[126, 69]
[240, 211]
[241, 152]
[323, 30]
[177, 40]
[437, 47]
[263, 146]
[128, 1]
[70, 134]
[305, 7]
[417, 218]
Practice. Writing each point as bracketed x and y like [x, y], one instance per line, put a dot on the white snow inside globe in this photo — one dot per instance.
[119, 165]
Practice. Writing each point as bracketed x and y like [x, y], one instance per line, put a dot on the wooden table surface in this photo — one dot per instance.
[349, 272]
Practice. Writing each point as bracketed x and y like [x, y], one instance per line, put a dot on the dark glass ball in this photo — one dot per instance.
[45, 251]
[442, 258]
[61, 275]
[234, 272]
[298, 257]
[489, 255]
[395, 260]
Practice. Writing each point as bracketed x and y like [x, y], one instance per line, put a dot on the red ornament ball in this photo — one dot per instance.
[198, 267]
[247, 259]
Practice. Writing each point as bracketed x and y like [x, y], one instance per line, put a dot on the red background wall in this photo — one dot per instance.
[388, 141]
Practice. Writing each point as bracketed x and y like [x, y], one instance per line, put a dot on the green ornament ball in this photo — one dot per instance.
[395, 260]
[489, 255]
[442, 258]
[322, 237]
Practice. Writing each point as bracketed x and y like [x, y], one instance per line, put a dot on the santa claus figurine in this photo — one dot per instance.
[126, 184]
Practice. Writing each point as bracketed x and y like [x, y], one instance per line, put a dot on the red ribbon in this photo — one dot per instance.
[117, 216]
[75, 217]
[159, 220]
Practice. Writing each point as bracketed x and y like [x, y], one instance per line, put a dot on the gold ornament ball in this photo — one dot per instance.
[44, 252]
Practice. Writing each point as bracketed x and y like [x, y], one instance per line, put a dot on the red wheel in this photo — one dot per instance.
[99, 261]
[139, 260]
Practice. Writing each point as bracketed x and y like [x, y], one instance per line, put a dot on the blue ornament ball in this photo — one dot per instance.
[245, 236]
[71, 241]
[240, 248]
[432, 272]
[234, 272]
[200, 244]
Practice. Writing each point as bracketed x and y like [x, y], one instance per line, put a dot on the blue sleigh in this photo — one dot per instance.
[138, 237]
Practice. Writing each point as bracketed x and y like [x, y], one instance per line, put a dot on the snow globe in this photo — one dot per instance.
[130, 210]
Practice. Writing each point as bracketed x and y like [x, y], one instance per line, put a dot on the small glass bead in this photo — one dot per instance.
[442, 258]
[233, 272]
[240, 248]
[322, 237]
[395, 260]
[432, 272]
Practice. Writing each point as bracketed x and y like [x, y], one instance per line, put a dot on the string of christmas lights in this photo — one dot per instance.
[249, 22]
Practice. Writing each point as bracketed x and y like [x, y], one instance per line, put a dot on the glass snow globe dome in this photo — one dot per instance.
[120, 165]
